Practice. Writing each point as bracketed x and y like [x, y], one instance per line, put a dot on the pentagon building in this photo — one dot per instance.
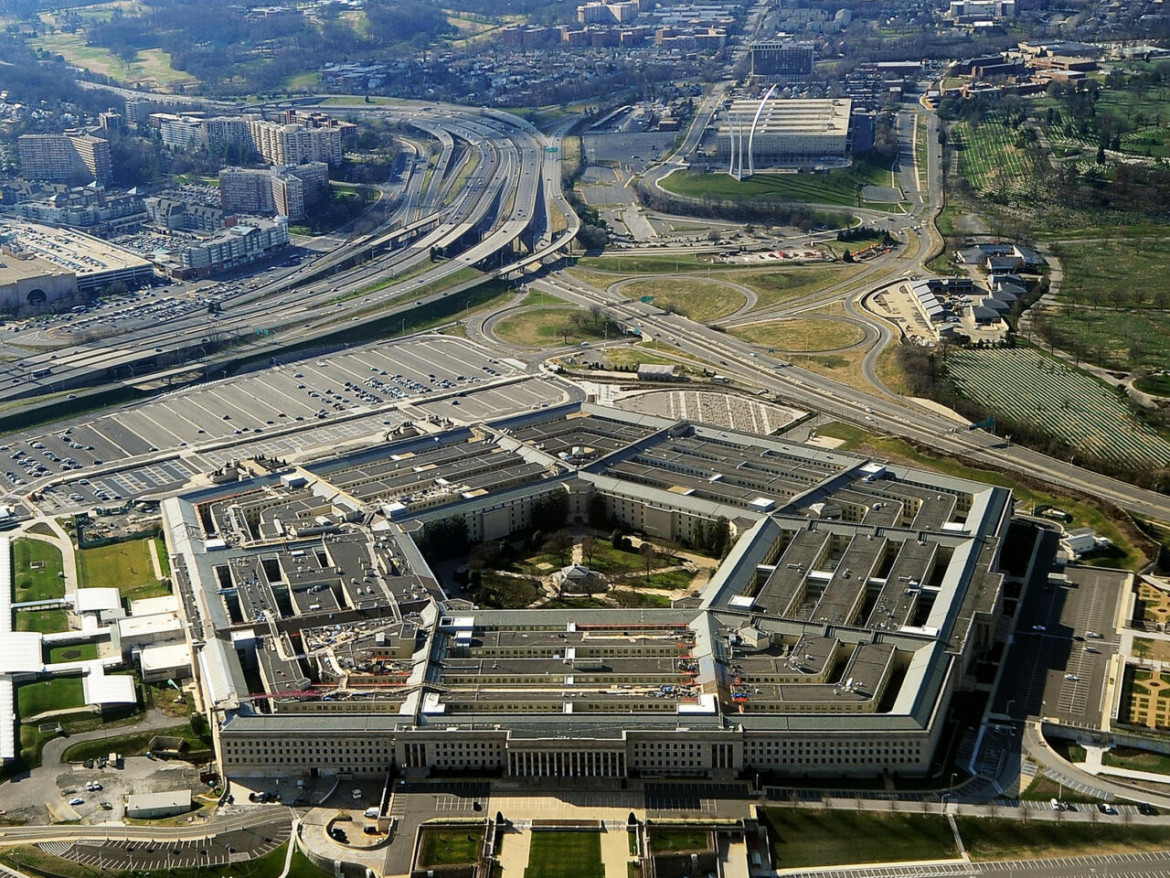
[853, 602]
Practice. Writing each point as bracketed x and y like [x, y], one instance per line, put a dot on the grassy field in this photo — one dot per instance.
[74, 652]
[132, 744]
[825, 838]
[54, 693]
[1027, 385]
[149, 67]
[772, 285]
[992, 839]
[802, 334]
[38, 584]
[548, 327]
[1158, 385]
[782, 284]
[44, 621]
[839, 187]
[125, 566]
[1138, 760]
[565, 855]
[989, 158]
[445, 847]
[679, 840]
[700, 300]
[630, 265]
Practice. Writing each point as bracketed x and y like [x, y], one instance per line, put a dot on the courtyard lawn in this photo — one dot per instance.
[52, 694]
[37, 583]
[125, 566]
[824, 838]
[448, 846]
[44, 621]
[679, 840]
[73, 652]
[565, 855]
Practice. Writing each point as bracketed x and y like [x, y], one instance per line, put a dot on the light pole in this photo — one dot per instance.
[1008, 710]
[951, 793]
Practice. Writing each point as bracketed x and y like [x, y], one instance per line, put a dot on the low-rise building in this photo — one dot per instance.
[151, 806]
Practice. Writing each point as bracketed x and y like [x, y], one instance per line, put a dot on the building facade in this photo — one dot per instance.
[61, 158]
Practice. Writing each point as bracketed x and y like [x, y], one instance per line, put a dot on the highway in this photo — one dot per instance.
[473, 220]
[509, 216]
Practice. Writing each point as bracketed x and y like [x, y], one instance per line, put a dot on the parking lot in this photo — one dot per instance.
[1057, 662]
[217, 850]
[285, 411]
[138, 775]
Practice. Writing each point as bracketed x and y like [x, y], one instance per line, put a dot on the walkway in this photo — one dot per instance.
[514, 848]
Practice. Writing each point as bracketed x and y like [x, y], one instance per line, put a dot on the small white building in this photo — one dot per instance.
[1083, 540]
[138, 631]
[149, 806]
[165, 661]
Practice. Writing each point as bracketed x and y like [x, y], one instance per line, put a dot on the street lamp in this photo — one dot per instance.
[1008, 710]
[951, 793]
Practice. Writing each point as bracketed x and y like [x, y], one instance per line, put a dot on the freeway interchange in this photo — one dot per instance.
[505, 214]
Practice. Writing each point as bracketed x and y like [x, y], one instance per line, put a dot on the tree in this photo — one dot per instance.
[588, 547]
[559, 544]
[649, 553]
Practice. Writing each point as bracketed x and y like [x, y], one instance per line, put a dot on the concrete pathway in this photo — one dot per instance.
[64, 543]
[615, 853]
[514, 850]
[158, 571]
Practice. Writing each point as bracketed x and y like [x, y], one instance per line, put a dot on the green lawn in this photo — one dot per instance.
[1138, 760]
[1158, 385]
[679, 840]
[802, 334]
[506, 592]
[992, 839]
[74, 652]
[131, 744]
[445, 847]
[700, 300]
[838, 187]
[54, 693]
[803, 838]
[565, 855]
[125, 566]
[43, 583]
[552, 327]
[44, 621]
[782, 284]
